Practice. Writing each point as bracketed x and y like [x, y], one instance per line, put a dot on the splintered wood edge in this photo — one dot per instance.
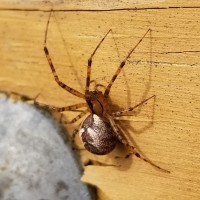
[91, 5]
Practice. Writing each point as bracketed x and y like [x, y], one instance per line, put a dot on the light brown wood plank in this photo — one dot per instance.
[166, 64]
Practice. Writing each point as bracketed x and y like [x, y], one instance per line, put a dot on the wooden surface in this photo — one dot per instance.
[166, 63]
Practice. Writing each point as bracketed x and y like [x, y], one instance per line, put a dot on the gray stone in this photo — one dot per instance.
[35, 162]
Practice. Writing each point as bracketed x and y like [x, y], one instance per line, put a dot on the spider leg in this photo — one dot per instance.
[61, 109]
[90, 64]
[74, 134]
[126, 111]
[132, 149]
[107, 91]
[61, 84]
[79, 116]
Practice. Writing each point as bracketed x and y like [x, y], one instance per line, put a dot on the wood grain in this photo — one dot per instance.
[166, 64]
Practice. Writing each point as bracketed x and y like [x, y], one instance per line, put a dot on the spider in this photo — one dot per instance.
[98, 132]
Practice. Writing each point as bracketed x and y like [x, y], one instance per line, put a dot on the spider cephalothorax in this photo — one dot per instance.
[97, 103]
[99, 132]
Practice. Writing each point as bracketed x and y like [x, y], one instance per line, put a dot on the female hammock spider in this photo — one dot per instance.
[98, 132]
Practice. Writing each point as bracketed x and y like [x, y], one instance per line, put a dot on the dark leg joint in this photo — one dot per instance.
[46, 50]
[138, 155]
[89, 62]
[122, 64]
[127, 156]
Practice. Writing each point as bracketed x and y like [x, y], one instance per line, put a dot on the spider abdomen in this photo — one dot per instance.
[97, 135]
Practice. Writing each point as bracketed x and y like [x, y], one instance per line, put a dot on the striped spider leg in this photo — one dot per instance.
[62, 85]
[67, 108]
[130, 109]
[98, 131]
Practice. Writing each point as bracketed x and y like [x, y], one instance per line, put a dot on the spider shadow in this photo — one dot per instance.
[127, 125]
[118, 156]
[72, 66]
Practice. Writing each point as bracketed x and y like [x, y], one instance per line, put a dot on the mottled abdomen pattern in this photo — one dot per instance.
[97, 135]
